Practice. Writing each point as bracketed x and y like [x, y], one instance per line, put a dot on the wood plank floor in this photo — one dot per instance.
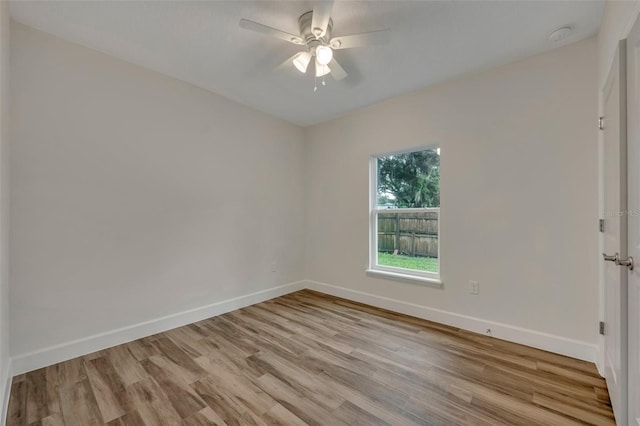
[308, 358]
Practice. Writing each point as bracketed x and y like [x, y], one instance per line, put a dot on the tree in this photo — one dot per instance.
[412, 178]
[384, 199]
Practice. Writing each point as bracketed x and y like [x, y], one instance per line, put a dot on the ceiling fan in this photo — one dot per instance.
[315, 35]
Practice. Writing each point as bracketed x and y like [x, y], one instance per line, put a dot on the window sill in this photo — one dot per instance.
[414, 279]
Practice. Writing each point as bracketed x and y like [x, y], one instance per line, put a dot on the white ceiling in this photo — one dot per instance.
[201, 43]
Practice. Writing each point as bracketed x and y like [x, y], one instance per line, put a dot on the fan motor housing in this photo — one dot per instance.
[306, 32]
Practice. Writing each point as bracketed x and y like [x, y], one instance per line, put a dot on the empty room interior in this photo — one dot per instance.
[319, 212]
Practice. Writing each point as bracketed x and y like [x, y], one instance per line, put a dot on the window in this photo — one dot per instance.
[405, 213]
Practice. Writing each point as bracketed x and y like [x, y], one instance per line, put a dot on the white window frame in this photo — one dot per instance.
[401, 274]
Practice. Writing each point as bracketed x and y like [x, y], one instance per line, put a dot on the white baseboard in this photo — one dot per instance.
[41, 358]
[548, 342]
[6, 390]
[600, 356]
[23, 363]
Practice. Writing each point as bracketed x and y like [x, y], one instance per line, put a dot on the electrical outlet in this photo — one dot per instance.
[474, 287]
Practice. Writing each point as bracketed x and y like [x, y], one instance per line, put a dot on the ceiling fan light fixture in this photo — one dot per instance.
[301, 61]
[324, 54]
[322, 70]
[315, 30]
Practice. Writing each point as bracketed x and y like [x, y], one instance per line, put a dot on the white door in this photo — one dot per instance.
[615, 235]
[633, 200]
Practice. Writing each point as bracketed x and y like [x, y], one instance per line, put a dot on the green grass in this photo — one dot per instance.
[429, 264]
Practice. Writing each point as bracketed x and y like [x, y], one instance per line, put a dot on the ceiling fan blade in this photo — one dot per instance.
[320, 17]
[358, 40]
[337, 71]
[263, 29]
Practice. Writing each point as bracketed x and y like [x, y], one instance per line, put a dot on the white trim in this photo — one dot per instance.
[373, 216]
[548, 342]
[408, 210]
[396, 271]
[58, 353]
[6, 386]
[600, 355]
[47, 356]
[412, 278]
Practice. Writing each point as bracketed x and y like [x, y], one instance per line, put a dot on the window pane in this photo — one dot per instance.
[409, 240]
[409, 180]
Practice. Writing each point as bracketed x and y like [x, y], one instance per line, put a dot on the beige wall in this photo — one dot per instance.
[4, 203]
[136, 196]
[519, 192]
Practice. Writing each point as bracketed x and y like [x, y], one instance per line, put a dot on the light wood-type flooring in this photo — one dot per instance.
[308, 358]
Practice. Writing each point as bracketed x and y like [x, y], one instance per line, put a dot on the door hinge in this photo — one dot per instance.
[601, 328]
[600, 123]
[601, 225]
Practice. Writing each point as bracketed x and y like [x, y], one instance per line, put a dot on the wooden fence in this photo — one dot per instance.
[412, 234]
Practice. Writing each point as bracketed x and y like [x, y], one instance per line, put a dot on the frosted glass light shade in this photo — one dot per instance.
[322, 69]
[301, 61]
[324, 54]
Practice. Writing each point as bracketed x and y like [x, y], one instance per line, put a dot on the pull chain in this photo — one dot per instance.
[315, 84]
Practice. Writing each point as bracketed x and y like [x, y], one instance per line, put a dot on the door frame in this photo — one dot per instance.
[616, 80]
[633, 246]
[633, 18]
[624, 32]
